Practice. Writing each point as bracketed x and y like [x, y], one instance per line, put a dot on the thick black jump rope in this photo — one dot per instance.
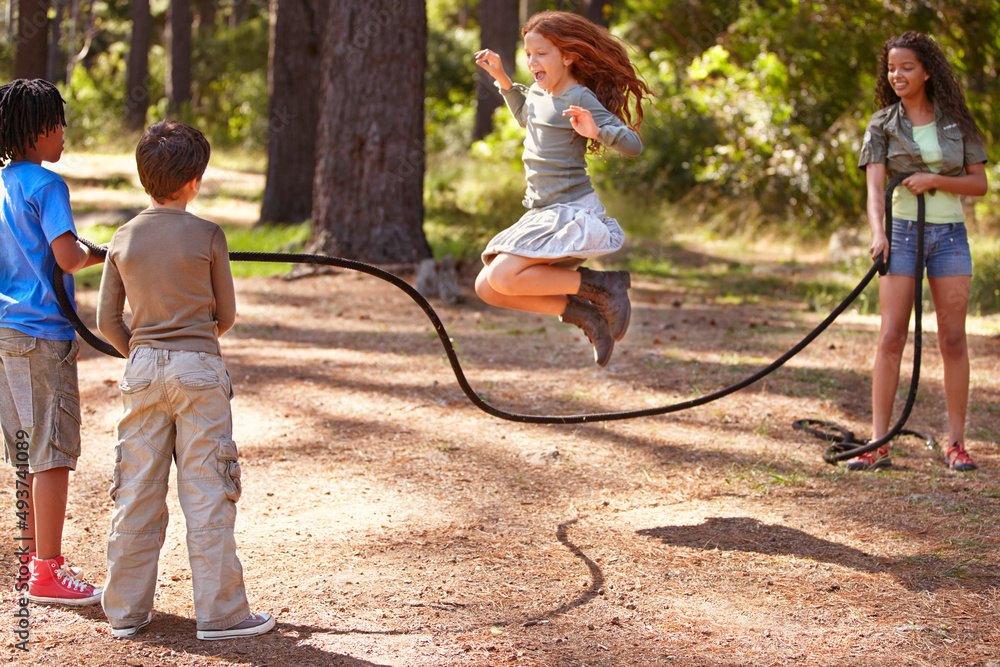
[841, 439]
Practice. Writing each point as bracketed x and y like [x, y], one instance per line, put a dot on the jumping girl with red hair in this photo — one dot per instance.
[586, 95]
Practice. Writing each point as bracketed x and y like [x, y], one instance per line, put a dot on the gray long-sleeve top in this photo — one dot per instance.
[554, 157]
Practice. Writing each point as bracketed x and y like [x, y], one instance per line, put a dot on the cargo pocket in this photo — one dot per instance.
[229, 469]
[18, 413]
[116, 476]
[72, 353]
[66, 430]
[198, 380]
[16, 344]
[133, 385]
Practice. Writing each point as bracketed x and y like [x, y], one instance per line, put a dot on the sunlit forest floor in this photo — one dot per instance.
[385, 520]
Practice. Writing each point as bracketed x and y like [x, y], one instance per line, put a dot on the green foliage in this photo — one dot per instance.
[7, 48]
[95, 101]
[470, 194]
[230, 96]
[265, 238]
[468, 201]
[726, 134]
[450, 90]
[767, 101]
[985, 291]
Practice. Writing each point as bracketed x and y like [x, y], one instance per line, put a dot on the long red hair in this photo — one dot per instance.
[600, 62]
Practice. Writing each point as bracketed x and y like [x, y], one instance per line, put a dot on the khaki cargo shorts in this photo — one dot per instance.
[39, 401]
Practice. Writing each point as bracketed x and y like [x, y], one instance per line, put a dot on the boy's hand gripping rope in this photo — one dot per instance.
[476, 400]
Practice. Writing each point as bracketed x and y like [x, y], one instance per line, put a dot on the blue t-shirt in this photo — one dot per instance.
[35, 212]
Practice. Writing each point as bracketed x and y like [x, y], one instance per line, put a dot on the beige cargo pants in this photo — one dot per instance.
[176, 407]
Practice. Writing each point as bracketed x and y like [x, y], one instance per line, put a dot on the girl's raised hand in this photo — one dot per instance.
[582, 122]
[492, 63]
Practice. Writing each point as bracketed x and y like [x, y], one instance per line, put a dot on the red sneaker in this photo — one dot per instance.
[52, 582]
[75, 571]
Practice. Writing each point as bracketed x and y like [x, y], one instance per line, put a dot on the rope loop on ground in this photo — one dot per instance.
[842, 440]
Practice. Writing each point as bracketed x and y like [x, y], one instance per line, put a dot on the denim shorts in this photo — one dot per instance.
[39, 401]
[946, 249]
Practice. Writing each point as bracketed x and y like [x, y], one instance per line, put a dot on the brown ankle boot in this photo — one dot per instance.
[586, 316]
[608, 290]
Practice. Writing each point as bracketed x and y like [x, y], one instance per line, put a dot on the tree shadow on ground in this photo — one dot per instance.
[750, 535]
[746, 534]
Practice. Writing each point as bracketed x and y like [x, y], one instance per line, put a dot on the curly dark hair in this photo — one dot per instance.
[600, 62]
[942, 87]
[28, 108]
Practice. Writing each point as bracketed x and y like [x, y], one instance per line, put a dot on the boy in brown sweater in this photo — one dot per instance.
[173, 268]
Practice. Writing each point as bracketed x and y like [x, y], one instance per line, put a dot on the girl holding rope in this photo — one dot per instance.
[924, 128]
[584, 92]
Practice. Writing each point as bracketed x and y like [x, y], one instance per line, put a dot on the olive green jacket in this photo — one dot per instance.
[889, 140]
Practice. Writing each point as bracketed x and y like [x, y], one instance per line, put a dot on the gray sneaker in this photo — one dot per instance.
[125, 633]
[255, 624]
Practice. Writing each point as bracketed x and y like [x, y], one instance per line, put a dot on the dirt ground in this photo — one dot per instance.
[387, 521]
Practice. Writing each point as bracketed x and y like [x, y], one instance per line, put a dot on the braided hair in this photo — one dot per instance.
[600, 62]
[28, 108]
[943, 88]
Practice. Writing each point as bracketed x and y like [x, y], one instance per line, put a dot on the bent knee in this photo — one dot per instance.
[494, 282]
[483, 288]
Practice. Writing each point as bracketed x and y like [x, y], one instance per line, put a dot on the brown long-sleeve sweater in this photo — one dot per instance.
[173, 267]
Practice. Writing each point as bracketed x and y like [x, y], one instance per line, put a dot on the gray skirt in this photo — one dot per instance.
[574, 232]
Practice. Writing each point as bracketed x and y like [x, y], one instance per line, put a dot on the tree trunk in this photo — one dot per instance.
[179, 63]
[499, 31]
[367, 194]
[52, 59]
[137, 72]
[599, 11]
[239, 14]
[206, 16]
[31, 56]
[528, 9]
[293, 108]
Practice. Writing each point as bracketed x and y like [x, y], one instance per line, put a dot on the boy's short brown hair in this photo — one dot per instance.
[170, 154]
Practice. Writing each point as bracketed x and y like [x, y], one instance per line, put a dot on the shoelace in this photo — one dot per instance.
[69, 581]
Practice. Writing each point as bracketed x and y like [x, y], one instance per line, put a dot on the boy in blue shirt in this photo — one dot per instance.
[39, 396]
